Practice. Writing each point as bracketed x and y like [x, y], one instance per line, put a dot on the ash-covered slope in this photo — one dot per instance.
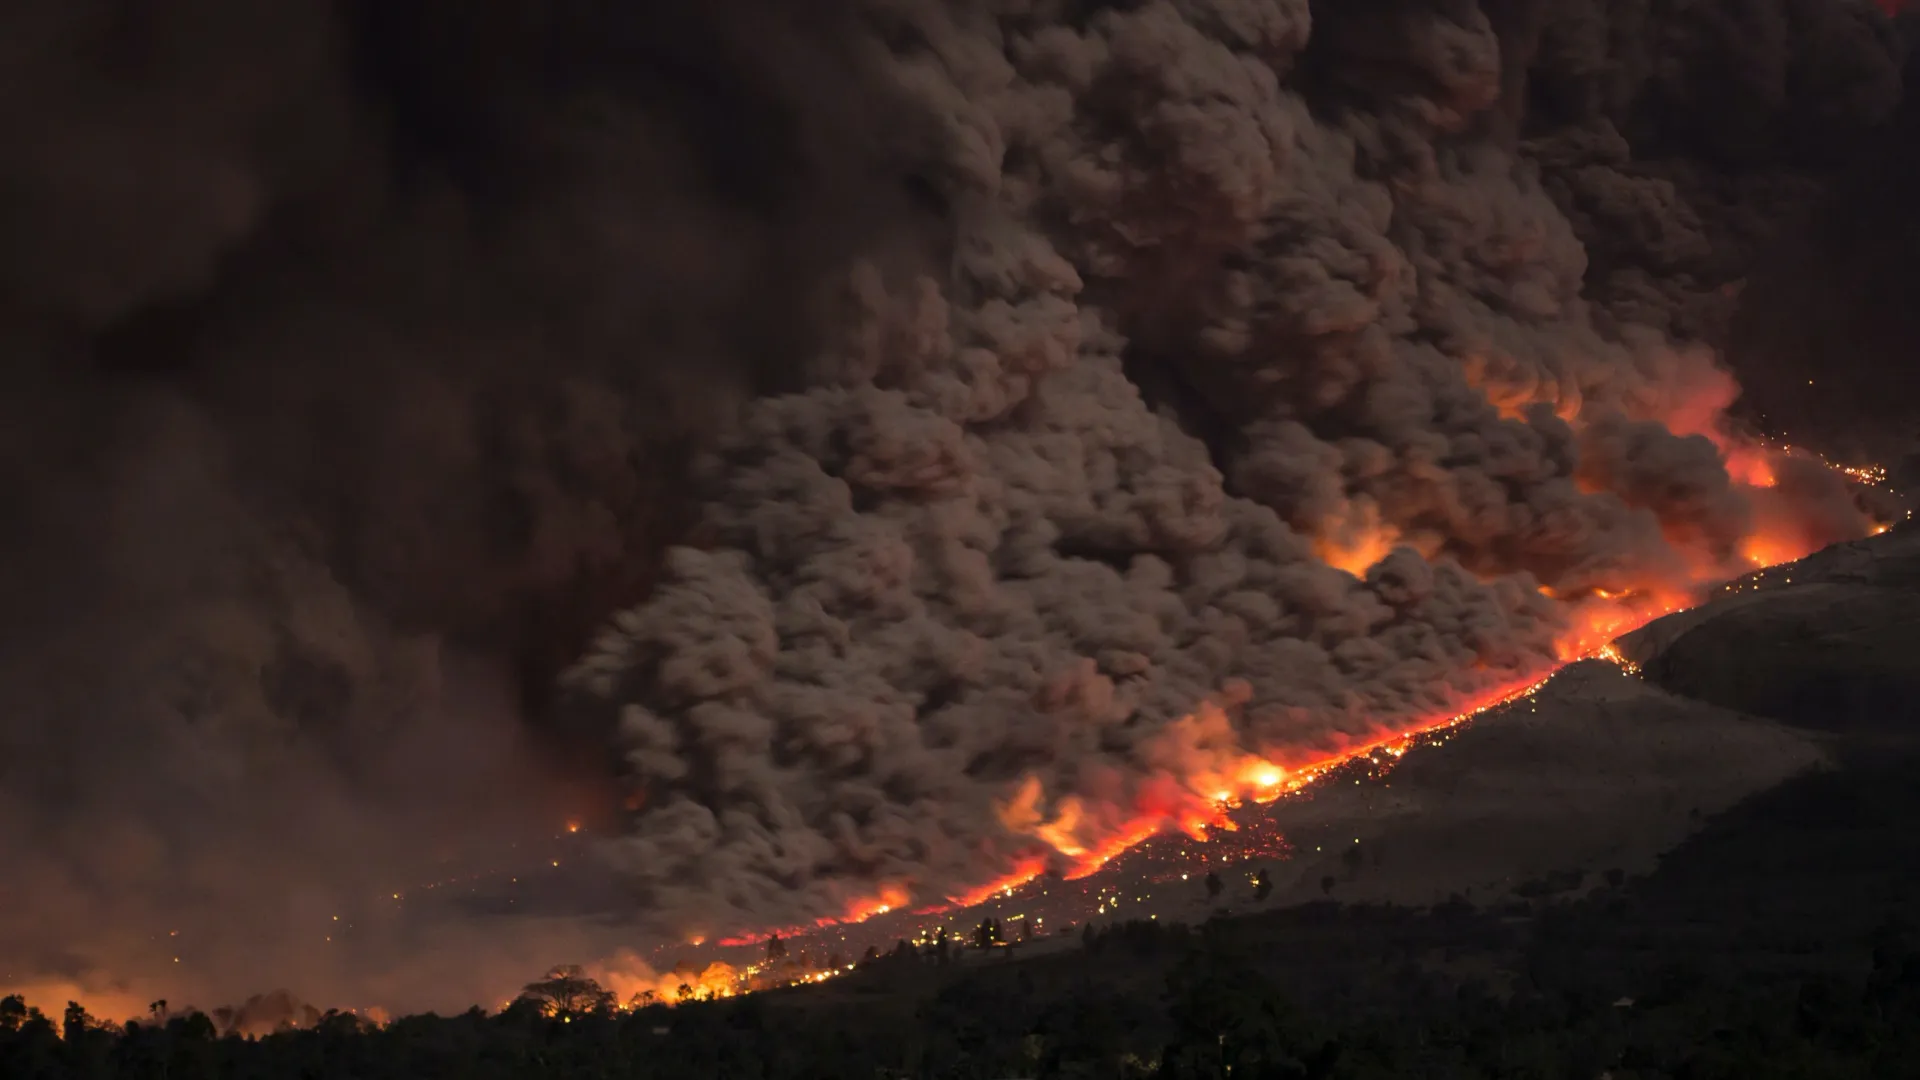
[1831, 642]
[1598, 770]
[1604, 769]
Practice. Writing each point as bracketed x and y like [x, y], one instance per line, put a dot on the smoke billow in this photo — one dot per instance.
[1016, 378]
[1300, 372]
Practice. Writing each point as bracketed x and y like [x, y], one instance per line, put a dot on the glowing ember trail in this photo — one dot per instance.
[889, 899]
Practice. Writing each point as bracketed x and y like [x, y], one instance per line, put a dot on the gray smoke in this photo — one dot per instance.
[1234, 288]
[1011, 374]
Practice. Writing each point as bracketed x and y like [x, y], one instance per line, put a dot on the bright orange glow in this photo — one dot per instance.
[1763, 551]
[635, 984]
[1748, 465]
[1027, 869]
[1081, 843]
[890, 898]
[1358, 552]
[108, 1005]
[1357, 541]
[1594, 623]
[1112, 847]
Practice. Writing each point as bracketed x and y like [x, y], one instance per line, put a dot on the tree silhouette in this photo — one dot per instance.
[987, 934]
[75, 1022]
[1262, 885]
[1214, 885]
[566, 992]
[1326, 885]
[776, 949]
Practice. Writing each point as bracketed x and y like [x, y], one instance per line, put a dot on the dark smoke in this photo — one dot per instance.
[1035, 355]
[355, 353]
[1235, 286]
[1825, 340]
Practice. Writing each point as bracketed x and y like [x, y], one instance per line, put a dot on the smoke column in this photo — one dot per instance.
[930, 437]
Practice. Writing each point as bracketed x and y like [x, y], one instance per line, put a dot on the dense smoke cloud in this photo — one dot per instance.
[1270, 372]
[353, 351]
[1044, 364]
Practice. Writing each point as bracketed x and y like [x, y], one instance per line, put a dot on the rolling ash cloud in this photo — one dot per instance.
[1036, 358]
[1234, 288]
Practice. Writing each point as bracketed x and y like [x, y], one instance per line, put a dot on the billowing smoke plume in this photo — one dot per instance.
[1052, 369]
[1270, 373]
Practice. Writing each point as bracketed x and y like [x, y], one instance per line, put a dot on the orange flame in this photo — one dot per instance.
[1748, 465]
[889, 898]
[1081, 844]
[1026, 869]
[635, 984]
[1357, 540]
[1357, 551]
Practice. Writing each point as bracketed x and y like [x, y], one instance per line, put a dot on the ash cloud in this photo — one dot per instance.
[917, 397]
[355, 351]
[1236, 289]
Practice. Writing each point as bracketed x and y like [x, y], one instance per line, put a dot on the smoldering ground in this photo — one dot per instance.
[1047, 353]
